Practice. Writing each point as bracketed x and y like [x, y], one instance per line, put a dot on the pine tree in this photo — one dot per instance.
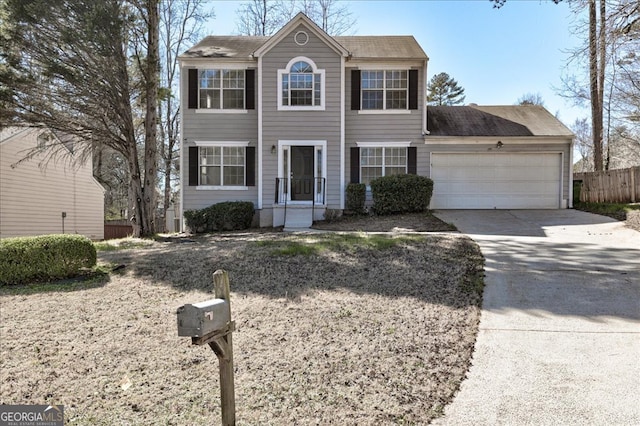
[444, 90]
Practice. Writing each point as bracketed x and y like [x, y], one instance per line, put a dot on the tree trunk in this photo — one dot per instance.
[148, 206]
[595, 70]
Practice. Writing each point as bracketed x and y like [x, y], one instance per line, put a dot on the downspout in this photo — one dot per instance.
[342, 131]
[182, 140]
[260, 142]
[570, 200]
[425, 131]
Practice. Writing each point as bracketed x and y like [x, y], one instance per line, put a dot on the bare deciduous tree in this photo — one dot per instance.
[265, 17]
[181, 23]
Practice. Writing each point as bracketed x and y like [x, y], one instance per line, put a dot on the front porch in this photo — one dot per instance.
[299, 202]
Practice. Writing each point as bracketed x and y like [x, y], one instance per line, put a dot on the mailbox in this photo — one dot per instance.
[203, 318]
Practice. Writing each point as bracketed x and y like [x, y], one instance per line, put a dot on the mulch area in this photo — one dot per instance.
[409, 222]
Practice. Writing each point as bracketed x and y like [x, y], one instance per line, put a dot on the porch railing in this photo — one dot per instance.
[300, 191]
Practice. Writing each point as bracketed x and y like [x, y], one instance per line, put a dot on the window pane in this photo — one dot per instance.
[372, 79]
[285, 89]
[371, 156]
[301, 81]
[396, 79]
[301, 97]
[233, 79]
[234, 156]
[395, 157]
[372, 99]
[210, 175]
[233, 99]
[233, 175]
[233, 169]
[396, 99]
[301, 67]
[369, 173]
[317, 85]
[209, 79]
[389, 171]
[209, 98]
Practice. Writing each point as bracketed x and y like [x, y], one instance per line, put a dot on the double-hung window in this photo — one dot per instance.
[384, 89]
[221, 89]
[221, 165]
[382, 161]
[301, 85]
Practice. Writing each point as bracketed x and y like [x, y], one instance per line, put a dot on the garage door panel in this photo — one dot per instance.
[489, 181]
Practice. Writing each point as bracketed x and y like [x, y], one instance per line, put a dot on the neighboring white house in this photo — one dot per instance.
[288, 121]
[39, 197]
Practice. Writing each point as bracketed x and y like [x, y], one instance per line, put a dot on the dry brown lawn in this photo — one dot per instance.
[353, 329]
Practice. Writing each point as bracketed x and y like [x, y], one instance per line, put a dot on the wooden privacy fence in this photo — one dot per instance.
[117, 229]
[611, 186]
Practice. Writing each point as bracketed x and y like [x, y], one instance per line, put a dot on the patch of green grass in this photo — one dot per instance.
[122, 244]
[95, 277]
[615, 210]
[312, 245]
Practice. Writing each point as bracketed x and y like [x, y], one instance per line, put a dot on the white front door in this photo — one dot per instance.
[302, 171]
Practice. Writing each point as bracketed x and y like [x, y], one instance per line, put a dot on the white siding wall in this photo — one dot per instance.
[33, 197]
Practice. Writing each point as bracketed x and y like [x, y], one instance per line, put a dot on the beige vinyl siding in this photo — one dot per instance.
[32, 198]
[301, 125]
[214, 127]
[390, 127]
[560, 147]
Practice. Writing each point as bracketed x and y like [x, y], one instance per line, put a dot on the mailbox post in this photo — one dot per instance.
[210, 323]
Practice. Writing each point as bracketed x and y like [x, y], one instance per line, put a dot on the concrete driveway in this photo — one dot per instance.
[559, 338]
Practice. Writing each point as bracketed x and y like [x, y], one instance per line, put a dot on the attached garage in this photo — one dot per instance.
[496, 180]
[498, 157]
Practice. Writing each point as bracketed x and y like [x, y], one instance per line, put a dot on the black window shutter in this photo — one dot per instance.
[413, 89]
[193, 89]
[250, 165]
[355, 89]
[193, 166]
[355, 165]
[250, 89]
[412, 160]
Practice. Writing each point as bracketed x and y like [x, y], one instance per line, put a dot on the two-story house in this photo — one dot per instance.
[287, 121]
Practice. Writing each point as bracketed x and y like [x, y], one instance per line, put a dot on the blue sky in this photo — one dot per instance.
[497, 55]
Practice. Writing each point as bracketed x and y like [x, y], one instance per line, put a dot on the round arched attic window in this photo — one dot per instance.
[301, 38]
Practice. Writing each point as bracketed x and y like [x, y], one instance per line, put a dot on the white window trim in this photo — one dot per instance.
[287, 70]
[221, 110]
[384, 109]
[223, 187]
[401, 144]
[382, 145]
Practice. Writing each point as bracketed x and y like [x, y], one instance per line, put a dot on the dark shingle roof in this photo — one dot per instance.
[231, 47]
[509, 120]
[360, 47]
[389, 47]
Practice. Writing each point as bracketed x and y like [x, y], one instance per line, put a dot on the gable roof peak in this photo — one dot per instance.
[301, 18]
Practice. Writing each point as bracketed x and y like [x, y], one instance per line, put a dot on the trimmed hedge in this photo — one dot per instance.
[44, 258]
[225, 216]
[356, 196]
[401, 194]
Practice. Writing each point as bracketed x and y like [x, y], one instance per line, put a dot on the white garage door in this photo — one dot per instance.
[496, 181]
